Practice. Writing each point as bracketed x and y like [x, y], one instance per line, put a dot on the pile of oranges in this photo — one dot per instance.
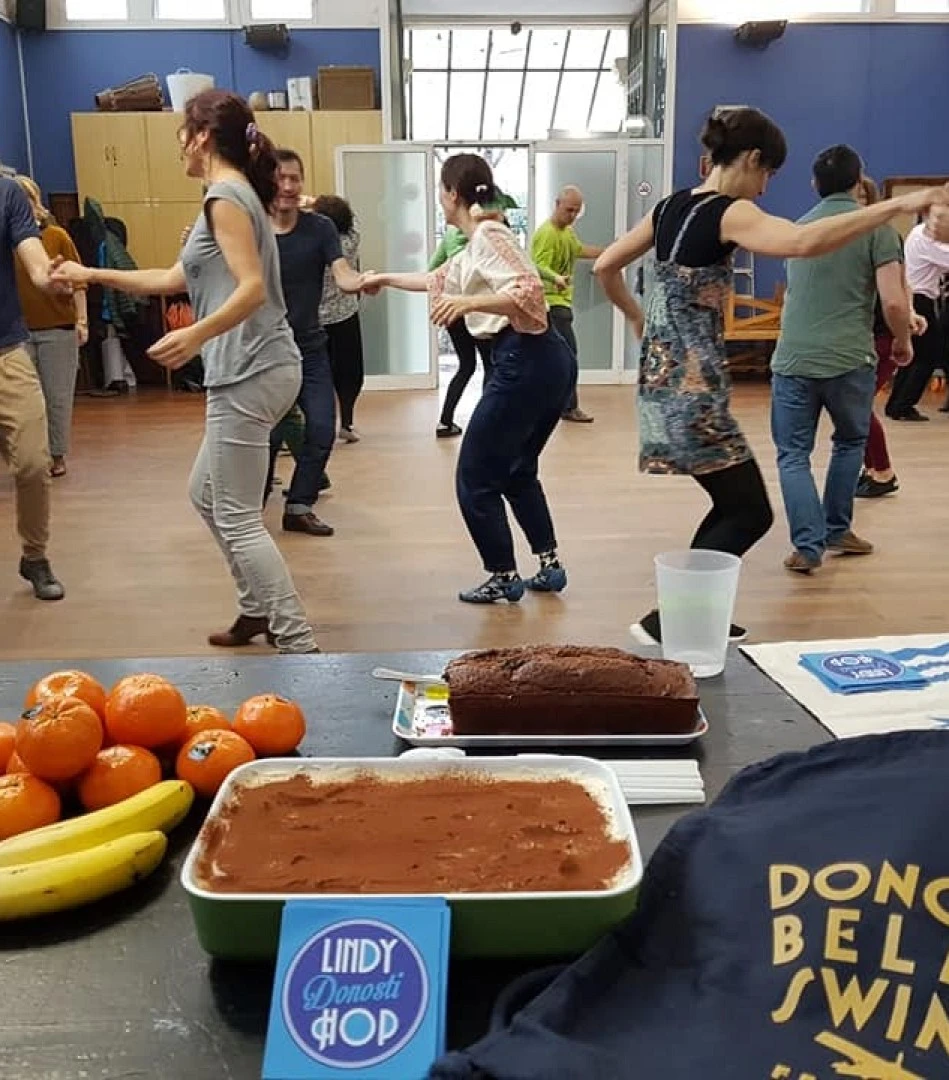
[78, 740]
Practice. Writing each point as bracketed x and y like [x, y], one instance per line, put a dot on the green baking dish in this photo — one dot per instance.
[553, 924]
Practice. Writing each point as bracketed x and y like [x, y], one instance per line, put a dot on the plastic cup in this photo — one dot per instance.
[697, 591]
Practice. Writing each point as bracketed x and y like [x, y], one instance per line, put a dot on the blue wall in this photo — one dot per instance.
[882, 89]
[66, 68]
[12, 132]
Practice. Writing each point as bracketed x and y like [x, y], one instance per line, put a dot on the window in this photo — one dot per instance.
[96, 10]
[922, 7]
[498, 85]
[281, 10]
[190, 10]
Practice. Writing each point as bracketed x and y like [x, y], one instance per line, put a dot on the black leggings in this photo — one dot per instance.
[909, 383]
[344, 345]
[466, 349]
[741, 512]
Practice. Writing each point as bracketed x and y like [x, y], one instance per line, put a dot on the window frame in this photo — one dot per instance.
[204, 20]
[603, 67]
[237, 13]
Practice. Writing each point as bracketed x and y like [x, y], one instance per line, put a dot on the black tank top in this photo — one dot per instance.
[701, 245]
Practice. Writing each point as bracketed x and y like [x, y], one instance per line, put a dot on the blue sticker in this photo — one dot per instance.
[355, 994]
[861, 667]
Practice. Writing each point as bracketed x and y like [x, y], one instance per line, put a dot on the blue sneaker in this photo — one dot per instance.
[495, 588]
[548, 579]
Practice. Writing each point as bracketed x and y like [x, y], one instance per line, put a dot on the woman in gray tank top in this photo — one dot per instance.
[230, 269]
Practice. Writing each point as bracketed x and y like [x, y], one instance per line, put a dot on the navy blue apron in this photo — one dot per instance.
[797, 929]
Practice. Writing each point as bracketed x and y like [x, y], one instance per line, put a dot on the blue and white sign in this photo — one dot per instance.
[860, 671]
[861, 667]
[355, 994]
[360, 990]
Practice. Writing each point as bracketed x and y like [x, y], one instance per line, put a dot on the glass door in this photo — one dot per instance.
[646, 160]
[389, 189]
[599, 170]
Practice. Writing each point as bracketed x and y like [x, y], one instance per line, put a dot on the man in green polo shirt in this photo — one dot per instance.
[555, 249]
[825, 359]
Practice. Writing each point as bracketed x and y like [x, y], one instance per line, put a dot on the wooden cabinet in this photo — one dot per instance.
[168, 221]
[111, 156]
[138, 221]
[167, 180]
[332, 129]
[288, 131]
[131, 163]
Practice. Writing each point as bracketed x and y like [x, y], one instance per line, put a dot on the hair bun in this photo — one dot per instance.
[715, 132]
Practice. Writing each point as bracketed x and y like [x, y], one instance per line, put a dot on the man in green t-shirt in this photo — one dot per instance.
[555, 249]
[825, 359]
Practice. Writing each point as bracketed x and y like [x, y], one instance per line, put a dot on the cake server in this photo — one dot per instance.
[391, 675]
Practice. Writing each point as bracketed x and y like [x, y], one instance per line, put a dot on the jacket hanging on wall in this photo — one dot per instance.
[119, 308]
[798, 929]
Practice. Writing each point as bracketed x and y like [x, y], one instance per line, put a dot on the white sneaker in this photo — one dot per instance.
[348, 435]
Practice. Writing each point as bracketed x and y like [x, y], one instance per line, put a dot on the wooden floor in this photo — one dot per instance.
[143, 577]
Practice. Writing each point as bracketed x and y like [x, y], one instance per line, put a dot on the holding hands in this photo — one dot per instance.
[935, 198]
[68, 275]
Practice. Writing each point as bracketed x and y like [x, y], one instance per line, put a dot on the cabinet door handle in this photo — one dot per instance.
[115, 157]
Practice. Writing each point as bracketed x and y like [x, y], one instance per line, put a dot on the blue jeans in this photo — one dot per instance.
[530, 382]
[317, 400]
[796, 405]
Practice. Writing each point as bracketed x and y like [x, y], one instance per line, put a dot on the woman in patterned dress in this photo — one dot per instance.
[493, 285]
[685, 421]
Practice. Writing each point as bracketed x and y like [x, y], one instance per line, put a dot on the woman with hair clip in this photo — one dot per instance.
[493, 285]
[685, 421]
[252, 367]
[58, 326]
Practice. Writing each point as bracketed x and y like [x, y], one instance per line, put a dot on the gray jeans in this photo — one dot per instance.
[226, 485]
[56, 356]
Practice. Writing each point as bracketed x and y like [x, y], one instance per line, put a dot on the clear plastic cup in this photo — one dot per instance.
[697, 591]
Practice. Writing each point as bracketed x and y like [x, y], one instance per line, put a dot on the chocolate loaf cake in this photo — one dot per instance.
[569, 690]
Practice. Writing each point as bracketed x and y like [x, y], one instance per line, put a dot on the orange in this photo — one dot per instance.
[59, 738]
[207, 758]
[26, 803]
[271, 724]
[204, 718]
[145, 710]
[7, 743]
[75, 684]
[118, 773]
[15, 764]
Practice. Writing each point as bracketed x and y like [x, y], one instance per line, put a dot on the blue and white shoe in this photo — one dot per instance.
[495, 588]
[548, 579]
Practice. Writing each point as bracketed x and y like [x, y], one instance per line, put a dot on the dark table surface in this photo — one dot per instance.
[121, 989]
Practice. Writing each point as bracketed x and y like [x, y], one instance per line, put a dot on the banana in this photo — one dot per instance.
[161, 807]
[67, 881]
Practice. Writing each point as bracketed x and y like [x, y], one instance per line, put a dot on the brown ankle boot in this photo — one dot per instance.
[242, 632]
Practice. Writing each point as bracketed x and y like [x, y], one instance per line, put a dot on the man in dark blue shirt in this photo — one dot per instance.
[23, 432]
[308, 245]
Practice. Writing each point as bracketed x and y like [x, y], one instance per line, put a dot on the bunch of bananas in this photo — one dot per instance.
[84, 858]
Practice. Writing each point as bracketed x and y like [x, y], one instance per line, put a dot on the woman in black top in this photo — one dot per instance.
[685, 421]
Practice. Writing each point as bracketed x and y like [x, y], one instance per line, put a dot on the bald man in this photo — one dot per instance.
[555, 249]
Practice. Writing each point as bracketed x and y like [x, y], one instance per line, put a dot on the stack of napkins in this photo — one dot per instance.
[673, 782]
[862, 671]
[360, 991]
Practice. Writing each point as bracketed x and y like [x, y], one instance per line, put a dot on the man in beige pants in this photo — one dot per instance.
[23, 433]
